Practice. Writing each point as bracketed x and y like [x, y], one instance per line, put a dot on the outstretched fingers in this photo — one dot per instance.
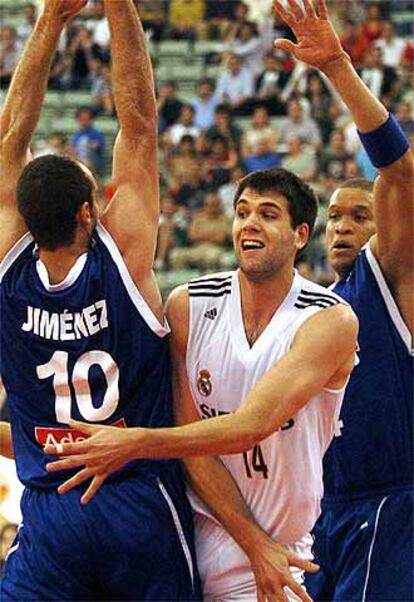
[76, 480]
[286, 16]
[323, 9]
[66, 463]
[296, 9]
[309, 10]
[96, 483]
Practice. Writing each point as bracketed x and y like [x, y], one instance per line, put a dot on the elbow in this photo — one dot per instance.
[253, 431]
[401, 170]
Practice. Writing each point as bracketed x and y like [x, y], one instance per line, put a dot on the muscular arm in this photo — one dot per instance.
[322, 355]
[22, 109]
[318, 45]
[132, 216]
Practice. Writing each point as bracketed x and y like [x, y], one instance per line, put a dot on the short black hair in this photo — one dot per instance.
[50, 191]
[359, 183]
[302, 201]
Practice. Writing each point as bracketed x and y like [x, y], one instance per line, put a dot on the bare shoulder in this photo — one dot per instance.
[337, 325]
[177, 306]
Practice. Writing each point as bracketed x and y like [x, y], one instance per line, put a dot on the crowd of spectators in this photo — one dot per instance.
[261, 110]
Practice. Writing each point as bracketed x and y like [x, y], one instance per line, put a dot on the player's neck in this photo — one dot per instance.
[261, 299]
[58, 263]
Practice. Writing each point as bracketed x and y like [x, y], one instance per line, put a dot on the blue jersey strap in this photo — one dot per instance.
[385, 144]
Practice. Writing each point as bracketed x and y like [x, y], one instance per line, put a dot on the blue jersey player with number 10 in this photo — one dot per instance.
[83, 335]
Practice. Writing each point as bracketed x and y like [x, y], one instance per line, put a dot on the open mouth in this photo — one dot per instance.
[251, 245]
[340, 246]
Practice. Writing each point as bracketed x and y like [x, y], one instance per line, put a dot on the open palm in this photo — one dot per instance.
[64, 8]
[317, 42]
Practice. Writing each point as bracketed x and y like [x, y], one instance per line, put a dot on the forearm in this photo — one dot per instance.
[133, 83]
[27, 90]
[215, 486]
[6, 442]
[222, 435]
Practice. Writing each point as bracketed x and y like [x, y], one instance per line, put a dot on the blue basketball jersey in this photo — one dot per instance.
[374, 452]
[88, 348]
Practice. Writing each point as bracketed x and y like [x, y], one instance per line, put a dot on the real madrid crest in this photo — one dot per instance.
[204, 385]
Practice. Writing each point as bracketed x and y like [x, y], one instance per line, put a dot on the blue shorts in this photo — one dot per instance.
[133, 541]
[365, 549]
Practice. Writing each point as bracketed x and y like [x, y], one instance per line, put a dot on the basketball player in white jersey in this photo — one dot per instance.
[265, 355]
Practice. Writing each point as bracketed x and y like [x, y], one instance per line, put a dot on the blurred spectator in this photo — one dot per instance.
[83, 51]
[246, 43]
[7, 535]
[204, 104]
[295, 124]
[219, 160]
[172, 231]
[299, 161]
[184, 127]
[377, 77]
[270, 83]
[25, 29]
[101, 89]
[227, 191]
[219, 15]
[343, 10]
[184, 17]
[259, 133]
[392, 46]
[235, 86]
[352, 169]
[224, 126]
[261, 158]
[333, 157]
[55, 144]
[88, 143]
[373, 24]
[10, 50]
[354, 42]
[208, 234]
[404, 115]
[184, 160]
[153, 17]
[168, 105]
[100, 30]
[319, 99]
[259, 10]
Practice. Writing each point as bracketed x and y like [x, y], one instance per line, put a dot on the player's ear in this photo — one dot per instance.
[301, 236]
[85, 214]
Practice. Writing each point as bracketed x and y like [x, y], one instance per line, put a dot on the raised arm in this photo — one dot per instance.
[22, 108]
[132, 215]
[318, 45]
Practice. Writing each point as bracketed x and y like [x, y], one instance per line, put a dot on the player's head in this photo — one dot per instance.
[350, 223]
[274, 216]
[56, 198]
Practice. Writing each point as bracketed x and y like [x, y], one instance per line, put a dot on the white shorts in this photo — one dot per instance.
[224, 568]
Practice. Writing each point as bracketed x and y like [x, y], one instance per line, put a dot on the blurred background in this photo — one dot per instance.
[228, 104]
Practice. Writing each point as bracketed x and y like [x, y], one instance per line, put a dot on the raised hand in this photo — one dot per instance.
[317, 44]
[64, 9]
[271, 564]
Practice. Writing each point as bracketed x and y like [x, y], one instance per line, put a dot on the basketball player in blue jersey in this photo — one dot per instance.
[364, 538]
[83, 336]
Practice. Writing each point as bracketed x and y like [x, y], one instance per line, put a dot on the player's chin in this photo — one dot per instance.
[342, 264]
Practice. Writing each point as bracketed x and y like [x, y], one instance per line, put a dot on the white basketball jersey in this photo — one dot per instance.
[280, 479]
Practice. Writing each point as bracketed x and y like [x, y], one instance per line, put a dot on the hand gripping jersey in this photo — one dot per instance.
[280, 479]
[374, 453]
[89, 348]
